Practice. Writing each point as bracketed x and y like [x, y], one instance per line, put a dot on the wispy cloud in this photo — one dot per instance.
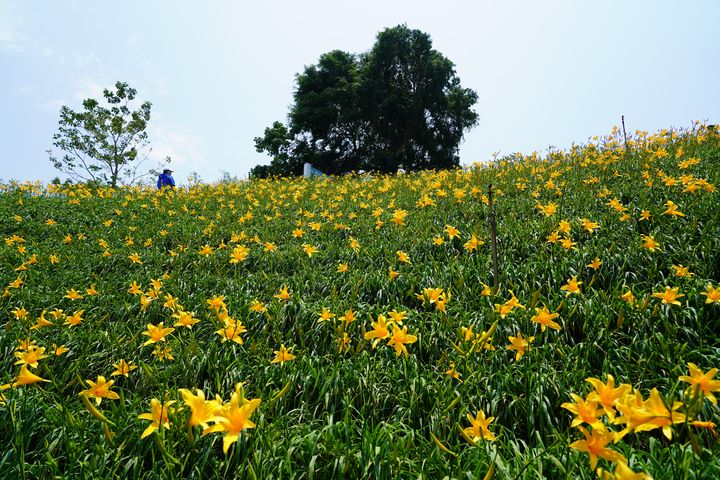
[51, 105]
[11, 39]
[86, 88]
[54, 55]
[93, 87]
[23, 90]
[160, 87]
[176, 142]
[90, 89]
[87, 59]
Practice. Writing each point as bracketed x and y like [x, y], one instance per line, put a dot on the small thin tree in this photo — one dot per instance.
[102, 144]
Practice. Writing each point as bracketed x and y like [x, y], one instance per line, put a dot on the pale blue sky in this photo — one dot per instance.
[218, 72]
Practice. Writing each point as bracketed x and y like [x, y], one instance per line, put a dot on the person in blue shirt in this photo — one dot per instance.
[165, 179]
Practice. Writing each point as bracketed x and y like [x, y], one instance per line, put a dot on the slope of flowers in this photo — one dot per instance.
[349, 327]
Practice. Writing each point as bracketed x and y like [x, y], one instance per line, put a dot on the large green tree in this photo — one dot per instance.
[276, 142]
[399, 105]
[101, 143]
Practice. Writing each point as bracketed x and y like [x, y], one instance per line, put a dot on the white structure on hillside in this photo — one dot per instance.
[310, 171]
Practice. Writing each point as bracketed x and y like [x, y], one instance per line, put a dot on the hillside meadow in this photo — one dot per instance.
[348, 327]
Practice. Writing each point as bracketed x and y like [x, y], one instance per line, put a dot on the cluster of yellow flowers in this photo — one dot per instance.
[543, 317]
[434, 296]
[623, 406]
[398, 338]
[28, 354]
[229, 418]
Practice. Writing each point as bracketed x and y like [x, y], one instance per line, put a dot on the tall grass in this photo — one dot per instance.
[364, 412]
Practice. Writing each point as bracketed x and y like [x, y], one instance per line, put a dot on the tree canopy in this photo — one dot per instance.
[398, 105]
[102, 143]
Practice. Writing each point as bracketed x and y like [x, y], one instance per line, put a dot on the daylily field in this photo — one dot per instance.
[350, 327]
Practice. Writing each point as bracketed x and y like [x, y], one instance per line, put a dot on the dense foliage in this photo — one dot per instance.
[398, 105]
[344, 327]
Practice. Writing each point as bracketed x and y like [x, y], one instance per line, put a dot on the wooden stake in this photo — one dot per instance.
[493, 241]
[624, 134]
